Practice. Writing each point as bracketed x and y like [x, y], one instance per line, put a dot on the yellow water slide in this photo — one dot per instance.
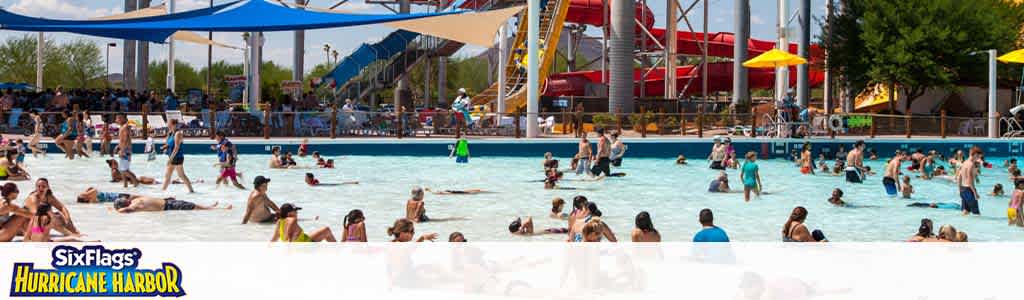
[551, 22]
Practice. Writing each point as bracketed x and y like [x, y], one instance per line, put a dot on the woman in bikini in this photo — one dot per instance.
[288, 229]
[62, 221]
[806, 161]
[795, 230]
[355, 228]
[924, 232]
[40, 226]
[644, 231]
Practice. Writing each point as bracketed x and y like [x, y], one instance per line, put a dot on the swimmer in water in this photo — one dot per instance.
[806, 161]
[855, 170]
[551, 182]
[938, 205]
[681, 160]
[892, 173]
[644, 231]
[924, 232]
[750, 176]
[997, 190]
[92, 195]
[837, 198]
[404, 231]
[275, 158]
[549, 162]
[456, 192]
[1015, 209]
[720, 184]
[312, 181]
[304, 148]
[524, 227]
[415, 210]
[118, 176]
[557, 205]
[147, 203]
[906, 189]
[966, 177]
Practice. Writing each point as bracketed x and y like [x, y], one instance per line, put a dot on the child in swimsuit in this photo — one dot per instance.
[355, 230]
[906, 189]
[1014, 213]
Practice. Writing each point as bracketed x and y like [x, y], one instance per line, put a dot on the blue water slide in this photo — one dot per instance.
[394, 43]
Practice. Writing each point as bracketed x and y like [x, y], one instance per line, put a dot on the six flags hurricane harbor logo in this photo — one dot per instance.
[94, 271]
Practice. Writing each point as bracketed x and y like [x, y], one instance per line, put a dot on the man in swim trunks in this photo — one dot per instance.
[583, 156]
[892, 171]
[260, 208]
[147, 203]
[965, 177]
[124, 151]
[415, 211]
[717, 156]
[855, 163]
[92, 195]
[618, 150]
[603, 158]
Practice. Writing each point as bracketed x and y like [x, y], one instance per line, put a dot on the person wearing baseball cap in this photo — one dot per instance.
[260, 208]
[288, 229]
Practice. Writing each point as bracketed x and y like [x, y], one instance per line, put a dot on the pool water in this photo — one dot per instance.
[672, 194]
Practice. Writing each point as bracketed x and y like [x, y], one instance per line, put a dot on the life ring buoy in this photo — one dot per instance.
[835, 122]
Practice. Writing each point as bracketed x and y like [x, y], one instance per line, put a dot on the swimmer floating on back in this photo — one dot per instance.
[457, 192]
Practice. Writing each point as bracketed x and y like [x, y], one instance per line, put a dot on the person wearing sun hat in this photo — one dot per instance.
[260, 208]
[288, 229]
[462, 104]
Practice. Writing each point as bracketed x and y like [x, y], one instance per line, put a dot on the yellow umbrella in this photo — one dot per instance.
[1017, 56]
[773, 59]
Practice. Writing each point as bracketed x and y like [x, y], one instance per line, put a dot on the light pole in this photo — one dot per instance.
[109, 45]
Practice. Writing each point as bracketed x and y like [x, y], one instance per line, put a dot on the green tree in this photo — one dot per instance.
[84, 64]
[919, 44]
[318, 71]
[185, 76]
[18, 61]
[271, 76]
[220, 70]
[844, 44]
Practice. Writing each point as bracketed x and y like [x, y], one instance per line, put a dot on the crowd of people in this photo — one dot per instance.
[42, 213]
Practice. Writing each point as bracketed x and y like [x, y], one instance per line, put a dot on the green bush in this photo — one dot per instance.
[604, 120]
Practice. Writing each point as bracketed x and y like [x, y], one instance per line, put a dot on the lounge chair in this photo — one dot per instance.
[135, 123]
[157, 124]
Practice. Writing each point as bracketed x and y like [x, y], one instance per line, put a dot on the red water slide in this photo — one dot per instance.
[720, 44]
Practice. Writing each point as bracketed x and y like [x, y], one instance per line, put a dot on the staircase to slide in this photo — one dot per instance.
[552, 18]
[377, 66]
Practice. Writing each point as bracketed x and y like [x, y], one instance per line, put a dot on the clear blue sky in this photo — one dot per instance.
[279, 44]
